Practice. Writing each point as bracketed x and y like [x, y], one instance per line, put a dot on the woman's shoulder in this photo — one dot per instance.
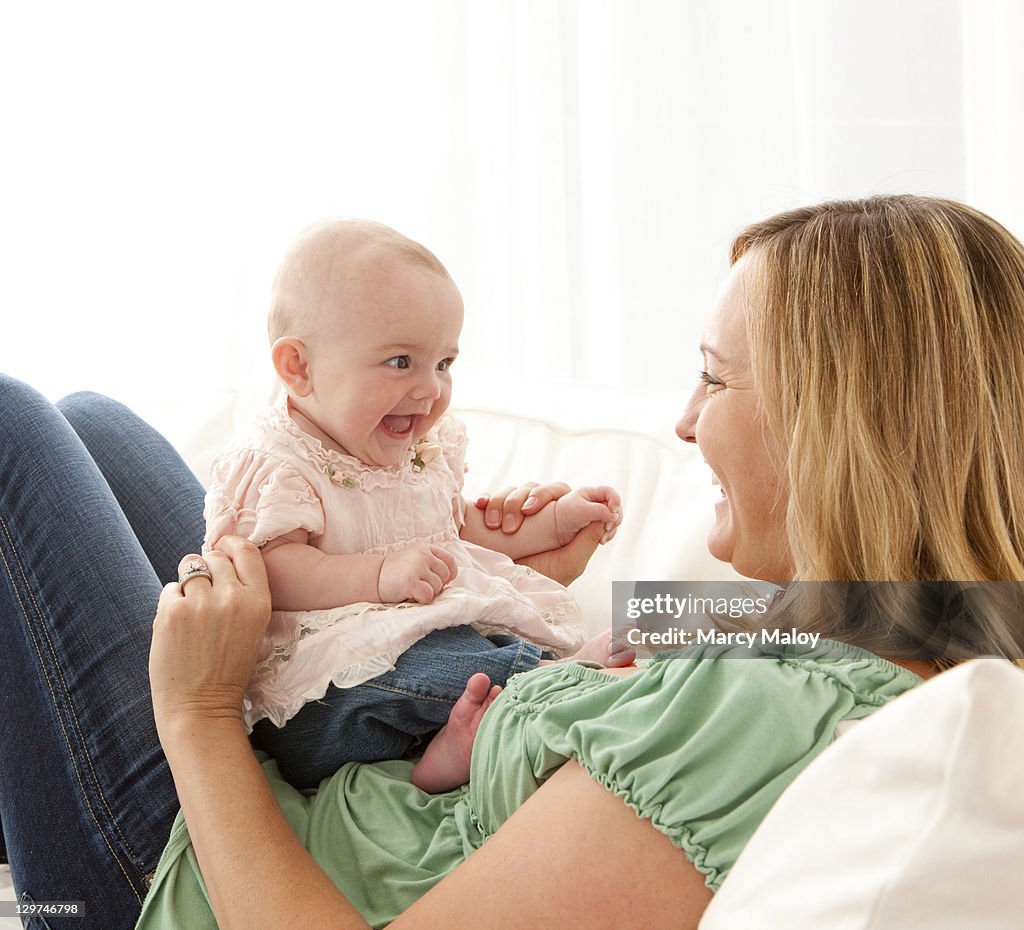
[701, 742]
[707, 694]
[771, 661]
[733, 667]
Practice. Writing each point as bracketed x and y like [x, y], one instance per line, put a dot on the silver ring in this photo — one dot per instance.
[196, 568]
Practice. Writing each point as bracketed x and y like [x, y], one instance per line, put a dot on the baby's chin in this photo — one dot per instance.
[387, 453]
[387, 460]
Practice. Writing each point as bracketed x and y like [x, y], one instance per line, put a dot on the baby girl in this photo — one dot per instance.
[392, 599]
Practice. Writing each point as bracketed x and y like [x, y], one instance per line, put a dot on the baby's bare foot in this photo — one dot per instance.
[445, 764]
[604, 650]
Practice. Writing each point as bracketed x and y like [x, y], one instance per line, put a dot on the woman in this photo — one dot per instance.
[837, 460]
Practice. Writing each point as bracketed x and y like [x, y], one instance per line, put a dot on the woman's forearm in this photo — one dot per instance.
[257, 873]
[206, 638]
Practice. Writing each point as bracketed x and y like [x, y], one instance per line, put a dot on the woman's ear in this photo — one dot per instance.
[292, 365]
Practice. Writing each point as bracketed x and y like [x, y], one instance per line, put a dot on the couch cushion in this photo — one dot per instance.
[666, 492]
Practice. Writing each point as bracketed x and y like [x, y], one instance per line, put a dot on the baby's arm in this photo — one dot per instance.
[552, 527]
[304, 578]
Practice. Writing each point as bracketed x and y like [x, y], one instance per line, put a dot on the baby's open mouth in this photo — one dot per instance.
[397, 425]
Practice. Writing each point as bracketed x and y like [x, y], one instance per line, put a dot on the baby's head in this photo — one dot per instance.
[364, 325]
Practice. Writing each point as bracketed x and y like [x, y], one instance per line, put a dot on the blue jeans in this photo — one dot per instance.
[394, 713]
[90, 528]
[96, 509]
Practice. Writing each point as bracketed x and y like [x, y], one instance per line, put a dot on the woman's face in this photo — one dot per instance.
[724, 418]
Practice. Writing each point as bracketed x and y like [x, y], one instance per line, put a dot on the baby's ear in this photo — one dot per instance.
[291, 365]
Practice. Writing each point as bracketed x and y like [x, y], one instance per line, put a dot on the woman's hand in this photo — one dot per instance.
[566, 564]
[207, 636]
[510, 506]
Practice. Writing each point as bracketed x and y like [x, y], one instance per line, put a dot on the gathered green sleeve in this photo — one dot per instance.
[701, 746]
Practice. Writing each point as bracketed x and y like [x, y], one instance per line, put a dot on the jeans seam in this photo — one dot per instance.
[33, 635]
[519, 655]
[407, 693]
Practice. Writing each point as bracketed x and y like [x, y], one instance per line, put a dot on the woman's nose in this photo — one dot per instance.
[687, 425]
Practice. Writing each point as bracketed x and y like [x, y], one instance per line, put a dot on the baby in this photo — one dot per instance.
[393, 601]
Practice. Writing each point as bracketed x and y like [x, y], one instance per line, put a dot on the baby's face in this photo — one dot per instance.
[380, 372]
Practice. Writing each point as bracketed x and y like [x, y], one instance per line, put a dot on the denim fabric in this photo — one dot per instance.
[155, 489]
[89, 529]
[86, 798]
[394, 713]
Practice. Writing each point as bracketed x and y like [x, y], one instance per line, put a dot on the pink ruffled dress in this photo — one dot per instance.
[279, 479]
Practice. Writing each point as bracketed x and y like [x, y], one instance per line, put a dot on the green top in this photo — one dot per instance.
[701, 742]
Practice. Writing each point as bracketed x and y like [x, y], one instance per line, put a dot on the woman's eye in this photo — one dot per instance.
[707, 378]
[399, 361]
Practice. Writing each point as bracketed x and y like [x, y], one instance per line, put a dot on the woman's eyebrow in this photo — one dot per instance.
[707, 350]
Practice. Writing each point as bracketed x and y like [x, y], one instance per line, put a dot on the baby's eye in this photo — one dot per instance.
[399, 361]
[445, 364]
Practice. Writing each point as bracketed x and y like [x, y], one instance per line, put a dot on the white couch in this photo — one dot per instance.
[913, 819]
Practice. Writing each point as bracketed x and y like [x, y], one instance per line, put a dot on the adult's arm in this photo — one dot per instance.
[572, 855]
[205, 645]
[566, 564]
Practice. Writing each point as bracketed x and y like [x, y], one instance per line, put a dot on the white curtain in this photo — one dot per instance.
[579, 165]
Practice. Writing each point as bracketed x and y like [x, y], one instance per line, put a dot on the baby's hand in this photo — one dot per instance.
[584, 506]
[416, 573]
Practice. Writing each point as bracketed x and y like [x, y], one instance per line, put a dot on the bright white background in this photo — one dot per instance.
[579, 166]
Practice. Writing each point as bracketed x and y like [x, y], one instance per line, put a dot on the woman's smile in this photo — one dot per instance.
[725, 419]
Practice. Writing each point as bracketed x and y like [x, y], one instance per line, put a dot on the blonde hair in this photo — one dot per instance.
[887, 342]
[298, 292]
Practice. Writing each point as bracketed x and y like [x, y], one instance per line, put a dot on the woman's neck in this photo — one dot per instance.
[924, 668]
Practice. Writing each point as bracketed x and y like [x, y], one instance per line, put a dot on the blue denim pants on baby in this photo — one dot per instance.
[96, 508]
[394, 714]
